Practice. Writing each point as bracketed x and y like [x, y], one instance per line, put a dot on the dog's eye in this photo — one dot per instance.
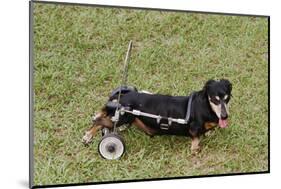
[215, 100]
[226, 98]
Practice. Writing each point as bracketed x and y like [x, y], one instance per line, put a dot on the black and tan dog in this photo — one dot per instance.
[208, 109]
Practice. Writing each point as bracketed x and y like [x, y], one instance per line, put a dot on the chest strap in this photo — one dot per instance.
[188, 111]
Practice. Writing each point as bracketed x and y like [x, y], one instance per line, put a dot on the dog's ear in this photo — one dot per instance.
[208, 84]
[227, 84]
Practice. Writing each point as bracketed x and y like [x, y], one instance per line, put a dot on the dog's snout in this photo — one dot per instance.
[223, 112]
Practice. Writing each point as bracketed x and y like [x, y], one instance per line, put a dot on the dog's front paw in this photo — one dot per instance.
[87, 138]
[195, 146]
[208, 133]
[195, 151]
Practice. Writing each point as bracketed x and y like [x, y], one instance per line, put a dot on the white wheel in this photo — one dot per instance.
[111, 146]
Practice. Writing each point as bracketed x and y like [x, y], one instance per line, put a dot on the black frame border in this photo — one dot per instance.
[31, 98]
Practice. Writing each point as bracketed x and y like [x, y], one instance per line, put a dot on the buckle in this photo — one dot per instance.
[164, 126]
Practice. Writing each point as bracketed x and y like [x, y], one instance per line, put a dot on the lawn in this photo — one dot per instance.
[78, 58]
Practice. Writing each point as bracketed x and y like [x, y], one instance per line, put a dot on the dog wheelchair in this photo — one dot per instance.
[112, 145]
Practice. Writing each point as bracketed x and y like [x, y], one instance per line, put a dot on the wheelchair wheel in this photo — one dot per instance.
[111, 146]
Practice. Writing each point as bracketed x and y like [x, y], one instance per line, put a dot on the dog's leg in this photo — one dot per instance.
[100, 121]
[90, 133]
[137, 122]
[194, 131]
[209, 128]
[195, 147]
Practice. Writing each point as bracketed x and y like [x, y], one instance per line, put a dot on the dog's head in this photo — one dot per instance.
[218, 94]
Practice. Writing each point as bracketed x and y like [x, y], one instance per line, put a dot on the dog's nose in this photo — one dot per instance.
[224, 116]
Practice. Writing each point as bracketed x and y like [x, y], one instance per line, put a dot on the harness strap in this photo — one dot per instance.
[188, 111]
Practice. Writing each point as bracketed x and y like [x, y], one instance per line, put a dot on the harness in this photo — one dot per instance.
[164, 122]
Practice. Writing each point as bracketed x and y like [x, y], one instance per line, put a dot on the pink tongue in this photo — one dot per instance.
[223, 123]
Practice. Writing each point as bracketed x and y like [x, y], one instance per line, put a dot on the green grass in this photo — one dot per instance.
[78, 59]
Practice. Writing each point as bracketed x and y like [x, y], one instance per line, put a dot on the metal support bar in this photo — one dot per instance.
[124, 82]
[157, 117]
